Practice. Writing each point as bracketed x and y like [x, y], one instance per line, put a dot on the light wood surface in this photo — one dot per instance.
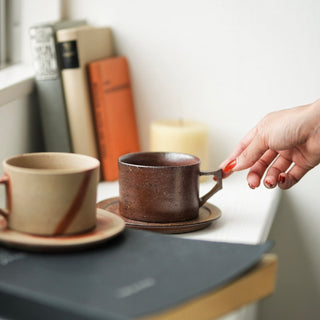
[257, 283]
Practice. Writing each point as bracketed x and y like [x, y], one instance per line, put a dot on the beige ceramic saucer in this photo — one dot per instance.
[108, 226]
[207, 213]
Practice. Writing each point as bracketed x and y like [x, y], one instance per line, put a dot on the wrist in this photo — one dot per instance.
[312, 120]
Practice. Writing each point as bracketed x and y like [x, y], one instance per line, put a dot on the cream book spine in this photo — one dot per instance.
[77, 47]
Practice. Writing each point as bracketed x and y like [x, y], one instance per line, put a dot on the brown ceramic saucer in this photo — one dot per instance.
[207, 213]
[108, 226]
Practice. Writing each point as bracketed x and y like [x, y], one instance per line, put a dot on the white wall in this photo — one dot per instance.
[20, 131]
[224, 62]
[32, 12]
[227, 63]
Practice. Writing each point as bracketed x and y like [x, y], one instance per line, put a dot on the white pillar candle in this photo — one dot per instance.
[181, 136]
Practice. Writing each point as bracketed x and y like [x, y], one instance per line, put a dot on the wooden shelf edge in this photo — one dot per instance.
[257, 283]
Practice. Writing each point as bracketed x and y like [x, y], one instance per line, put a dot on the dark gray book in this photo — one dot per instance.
[49, 87]
[136, 274]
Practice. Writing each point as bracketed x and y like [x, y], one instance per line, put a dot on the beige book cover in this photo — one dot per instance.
[77, 47]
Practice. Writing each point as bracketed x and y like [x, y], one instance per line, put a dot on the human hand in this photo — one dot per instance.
[284, 146]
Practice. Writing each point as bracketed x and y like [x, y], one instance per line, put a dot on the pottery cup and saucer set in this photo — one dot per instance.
[51, 199]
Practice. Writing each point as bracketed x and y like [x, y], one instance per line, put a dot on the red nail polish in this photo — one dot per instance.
[282, 179]
[251, 186]
[268, 183]
[230, 166]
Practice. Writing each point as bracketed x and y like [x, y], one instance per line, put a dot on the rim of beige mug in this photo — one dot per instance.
[122, 159]
[87, 163]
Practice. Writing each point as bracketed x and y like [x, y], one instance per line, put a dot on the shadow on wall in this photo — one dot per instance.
[297, 295]
[20, 131]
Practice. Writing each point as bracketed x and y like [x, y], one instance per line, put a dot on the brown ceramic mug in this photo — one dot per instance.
[50, 193]
[162, 186]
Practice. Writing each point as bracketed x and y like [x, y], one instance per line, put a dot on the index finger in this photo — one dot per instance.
[241, 146]
[251, 154]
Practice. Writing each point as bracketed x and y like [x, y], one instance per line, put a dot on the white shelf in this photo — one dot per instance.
[16, 81]
[247, 214]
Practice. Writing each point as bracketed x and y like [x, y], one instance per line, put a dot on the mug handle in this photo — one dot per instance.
[5, 181]
[217, 187]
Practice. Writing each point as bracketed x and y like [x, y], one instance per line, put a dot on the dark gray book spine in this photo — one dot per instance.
[49, 89]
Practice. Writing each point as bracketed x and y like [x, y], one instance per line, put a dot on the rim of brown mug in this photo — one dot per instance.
[120, 159]
[95, 163]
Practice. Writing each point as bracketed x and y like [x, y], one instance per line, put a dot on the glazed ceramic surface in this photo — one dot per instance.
[160, 186]
[207, 214]
[108, 226]
[51, 193]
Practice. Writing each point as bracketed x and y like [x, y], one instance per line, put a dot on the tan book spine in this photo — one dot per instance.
[78, 47]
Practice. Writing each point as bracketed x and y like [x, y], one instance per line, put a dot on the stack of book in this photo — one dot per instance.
[84, 92]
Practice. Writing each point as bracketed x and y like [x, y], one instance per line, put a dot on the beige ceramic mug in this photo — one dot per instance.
[50, 194]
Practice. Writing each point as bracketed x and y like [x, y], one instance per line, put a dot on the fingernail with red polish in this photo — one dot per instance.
[230, 166]
[282, 179]
[269, 184]
[251, 186]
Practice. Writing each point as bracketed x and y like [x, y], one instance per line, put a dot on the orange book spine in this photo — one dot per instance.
[97, 105]
[114, 112]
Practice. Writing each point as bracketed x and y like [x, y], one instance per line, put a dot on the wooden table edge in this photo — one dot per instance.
[257, 283]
